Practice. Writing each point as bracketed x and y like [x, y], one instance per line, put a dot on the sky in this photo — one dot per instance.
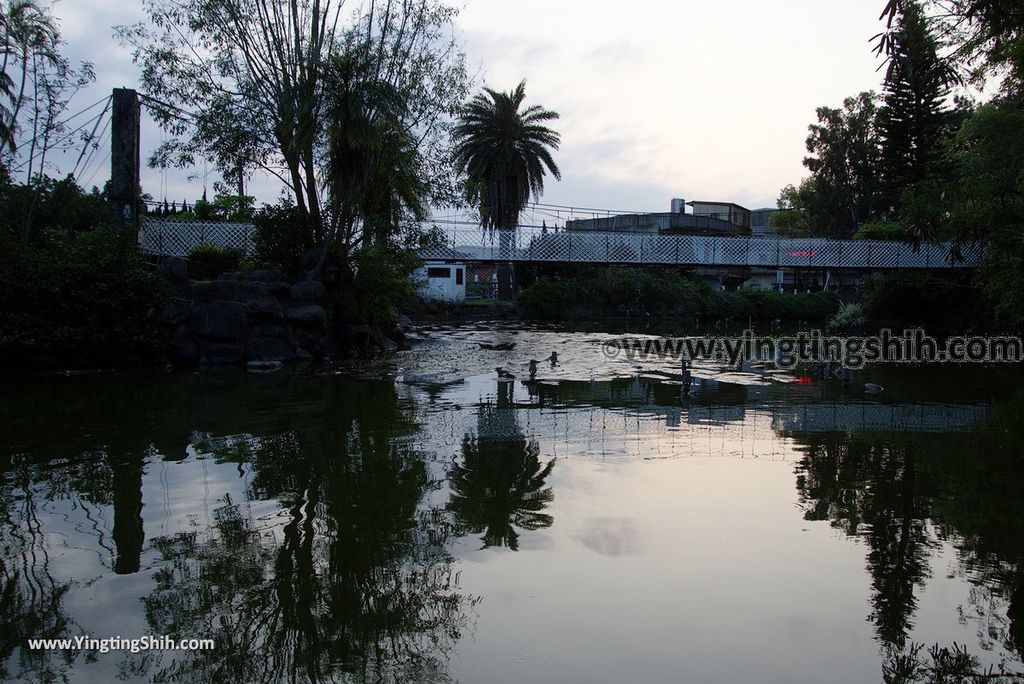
[658, 99]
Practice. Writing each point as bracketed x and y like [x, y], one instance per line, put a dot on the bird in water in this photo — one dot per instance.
[553, 358]
[504, 374]
[533, 367]
[873, 388]
[687, 376]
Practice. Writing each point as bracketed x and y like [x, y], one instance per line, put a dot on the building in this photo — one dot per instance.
[734, 214]
[708, 218]
[442, 281]
[760, 222]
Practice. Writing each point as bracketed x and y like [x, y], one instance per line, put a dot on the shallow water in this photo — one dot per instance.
[417, 518]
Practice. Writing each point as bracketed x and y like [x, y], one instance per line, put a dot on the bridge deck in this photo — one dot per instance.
[534, 245]
[472, 244]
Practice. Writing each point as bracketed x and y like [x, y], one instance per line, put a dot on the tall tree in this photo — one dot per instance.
[985, 37]
[843, 190]
[505, 153]
[244, 82]
[913, 120]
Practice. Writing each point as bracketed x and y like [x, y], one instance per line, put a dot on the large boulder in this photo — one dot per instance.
[174, 269]
[237, 290]
[174, 312]
[183, 347]
[308, 292]
[219, 320]
[269, 348]
[219, 353]
[267, 276]
[309, 315]
[265, 308]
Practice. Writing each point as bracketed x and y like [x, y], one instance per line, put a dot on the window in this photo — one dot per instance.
[437, 272]
[458, 276]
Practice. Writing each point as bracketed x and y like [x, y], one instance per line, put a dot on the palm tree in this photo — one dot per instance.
[505, 152]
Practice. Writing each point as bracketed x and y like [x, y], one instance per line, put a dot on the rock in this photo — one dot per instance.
[388, 346]
[873, 388]
[309, 291]
[219, 320]
[399, 338]
[306, 337]
[356, 331]
[263, 366]
[326, 347]
[266, 276]
[223, 353]
[303, 355]
[267, 348]
[174, 269]
[307, 315]
[183, 347]
[230, 275]
[237, 290]
[174, 312]
[271, 329]
[264, 308]
[403, 321]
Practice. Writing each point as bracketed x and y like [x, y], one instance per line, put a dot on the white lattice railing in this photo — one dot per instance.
[171, 237]
[527, 244]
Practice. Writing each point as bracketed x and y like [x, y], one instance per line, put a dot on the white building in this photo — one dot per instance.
[442, 281]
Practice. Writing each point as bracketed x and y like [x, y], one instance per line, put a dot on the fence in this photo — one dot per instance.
[530, 244]
[177, 237]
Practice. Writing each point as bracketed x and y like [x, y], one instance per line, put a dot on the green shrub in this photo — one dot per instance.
[207, 261]
[951, 300]
[82, 296]
[381, 282]
[849, 316]
[282, 236]
[546, 299]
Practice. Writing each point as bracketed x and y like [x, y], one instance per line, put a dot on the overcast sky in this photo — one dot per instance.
[658, 99]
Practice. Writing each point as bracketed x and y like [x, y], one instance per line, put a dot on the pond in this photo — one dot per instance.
[422, 518]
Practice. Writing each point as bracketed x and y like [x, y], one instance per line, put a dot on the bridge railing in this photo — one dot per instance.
[532, 244]
[168, 236]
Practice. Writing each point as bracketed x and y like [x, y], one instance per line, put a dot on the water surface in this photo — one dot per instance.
[420, 518]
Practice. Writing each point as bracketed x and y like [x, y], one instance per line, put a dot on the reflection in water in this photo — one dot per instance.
[499, 485]
[905, 497]
[306, 522]
[347, 573]
[872, 490]
[353, 578]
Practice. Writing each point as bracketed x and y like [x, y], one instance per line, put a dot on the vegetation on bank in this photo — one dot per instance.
[923, 161]
[85, 296]
[626, 291]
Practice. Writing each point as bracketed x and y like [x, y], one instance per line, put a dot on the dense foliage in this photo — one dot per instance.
[81, 296]
[381, 283]
[349, 108]
[926, 165]
[619, 290]
[207, 261]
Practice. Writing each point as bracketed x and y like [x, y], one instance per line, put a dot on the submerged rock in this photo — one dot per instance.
[263, 366]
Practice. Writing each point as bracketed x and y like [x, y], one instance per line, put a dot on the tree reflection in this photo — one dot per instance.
[875, 491]
[498, 487]
[31, 598]
[351, 576]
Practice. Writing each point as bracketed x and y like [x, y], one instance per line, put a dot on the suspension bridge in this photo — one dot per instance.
[468, 244]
